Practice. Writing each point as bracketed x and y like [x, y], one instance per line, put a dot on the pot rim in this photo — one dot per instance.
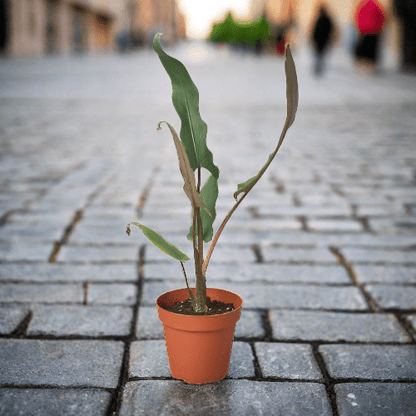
[194, 290]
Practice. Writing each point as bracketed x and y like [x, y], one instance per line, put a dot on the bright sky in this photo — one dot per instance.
[200, 14]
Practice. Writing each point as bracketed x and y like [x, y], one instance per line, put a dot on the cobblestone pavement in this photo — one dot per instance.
[323, 252]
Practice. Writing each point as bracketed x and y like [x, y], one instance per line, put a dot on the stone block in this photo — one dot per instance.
[230, 397]
[370, 362]
[393, 297]
[45, 402]
[148, 324]
[148, 359]
[376, 399]
[250, 325]
[101, 234]
[69, 320]
[363, 255]
[386, 274]
[259, 272]
[44, 232]
[278, 296]
[298, 255]
[60, 363]
[287, 361]
[103, 254]
[49, 293]
[65, 273]
[265, 224]
[11, 317]
[335, 327]
[112, 294]
[25, 251]
[335, 226]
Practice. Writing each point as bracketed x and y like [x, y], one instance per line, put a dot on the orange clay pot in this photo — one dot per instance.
[199, 347]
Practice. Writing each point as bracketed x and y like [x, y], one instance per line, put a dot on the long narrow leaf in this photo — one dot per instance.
[185, 99]
[159, 242]
[292, 97]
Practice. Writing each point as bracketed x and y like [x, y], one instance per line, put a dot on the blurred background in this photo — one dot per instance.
[362, 28]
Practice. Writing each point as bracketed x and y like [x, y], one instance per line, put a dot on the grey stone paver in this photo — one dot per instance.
[111, 294]
[231, 397]
[373, 362]
[48, 293]
[394, 297]
[10, 317]
[82, 162]
[279, 254]
[51, 273]
[376, 399]
[356, 255]
[16, 250]
[385, 274]
[33, 402]
[274, 273]
[289, 361]
[85, 254]
[335, 226]
[335, 327]
[80, 320]
[60, 363]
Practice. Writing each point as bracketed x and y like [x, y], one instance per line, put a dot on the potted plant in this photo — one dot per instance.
[199, 322]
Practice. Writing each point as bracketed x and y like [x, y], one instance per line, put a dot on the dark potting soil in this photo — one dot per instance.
[215, 307]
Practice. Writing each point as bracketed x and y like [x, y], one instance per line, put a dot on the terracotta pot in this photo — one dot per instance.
[199, 347]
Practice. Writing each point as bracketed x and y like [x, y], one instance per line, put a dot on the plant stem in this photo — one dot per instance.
[198, 245]
[218, 233]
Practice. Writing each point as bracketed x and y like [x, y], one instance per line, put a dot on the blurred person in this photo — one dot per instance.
[322, 36]
[406, 11]
[370, 19]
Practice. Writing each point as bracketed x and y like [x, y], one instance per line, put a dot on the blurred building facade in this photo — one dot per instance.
[34, 27]
[298, 16]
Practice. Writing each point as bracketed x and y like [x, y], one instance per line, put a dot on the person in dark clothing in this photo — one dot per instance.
[322, 34]
[406, 11]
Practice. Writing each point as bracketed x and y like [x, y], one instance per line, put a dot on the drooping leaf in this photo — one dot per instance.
[209, 195]
[185, 99]
[187, 173]
[292, 98]
[159, 242]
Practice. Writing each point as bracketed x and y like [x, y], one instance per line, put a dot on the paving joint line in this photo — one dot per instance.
[328, 381]
[115, 403]
[351, 273]
[68, 230]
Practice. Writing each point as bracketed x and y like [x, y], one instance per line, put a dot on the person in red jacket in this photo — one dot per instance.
[369, 19]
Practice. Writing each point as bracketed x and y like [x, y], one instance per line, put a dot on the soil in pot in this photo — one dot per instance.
[215, 307]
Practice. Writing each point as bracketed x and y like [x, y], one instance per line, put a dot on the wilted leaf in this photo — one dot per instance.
[292, 97]
[160, 242]
[185, 167]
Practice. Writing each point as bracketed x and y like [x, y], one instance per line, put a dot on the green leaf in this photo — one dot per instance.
[209, 195]
[159, 242]
[185, 99]
[292, 98]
